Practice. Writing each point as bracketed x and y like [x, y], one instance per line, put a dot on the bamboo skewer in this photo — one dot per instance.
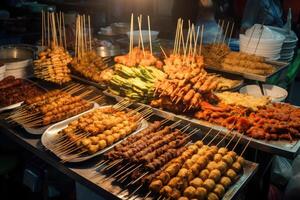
[90, 35]
[201, 40]
[231, 31]
[131, 36]
[141, 35]
[150, 38]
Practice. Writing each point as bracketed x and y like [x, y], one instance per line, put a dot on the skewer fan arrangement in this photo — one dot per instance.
[52, 64]
[53, 106]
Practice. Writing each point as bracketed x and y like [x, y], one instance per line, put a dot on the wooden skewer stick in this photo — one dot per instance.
[196, 41]
[201, 40]
[237, 142]
[225, 32]
[48, 28]
[131, 36]
[150, 39]
[163, 51]
[231, 31]
[246, 147]
[84, 33]
[64, 31]
[141, 35]
[42, 27]
[176, 37]
[215, 40]
[90, 35]
[220, 32]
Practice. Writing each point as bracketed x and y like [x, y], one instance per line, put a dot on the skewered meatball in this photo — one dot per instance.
[212, 196]
[156, 185]
[195, 169]
[228, 159]
[93, 148]
[175, 194]
[222, 166]
[200, 193]
[225, 181]
[102, 144]
[223, 150]
[210, 154]
[188, 164]
[110, 140]
[240, 160]
[164, 177]
[166, 190]
[219, 190]
[199, 143]
[202, 161]
[231, 174]
[212, 165]
[175, 182]
[183, 173]
[215, 175]
[218, 157]
[209, 184]
[232, 154]
[236, 166]
[204, 174]
[195, 157]
[196, 182]
[214, 149]
[189, 192]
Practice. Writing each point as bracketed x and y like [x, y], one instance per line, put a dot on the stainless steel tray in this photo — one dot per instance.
[16, 105]
[281, 147]
[278, 65]
[111, 186]
[52, 132]
[41, 130]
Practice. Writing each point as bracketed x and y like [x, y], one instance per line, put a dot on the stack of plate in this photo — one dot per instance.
[2, 71]
[289, 44]
[262, 41]
[18, 61]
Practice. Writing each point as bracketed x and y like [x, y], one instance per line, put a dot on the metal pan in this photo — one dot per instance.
[52, 132]
[41, 130]
[278, 65]
[16, 105]
[281, 147]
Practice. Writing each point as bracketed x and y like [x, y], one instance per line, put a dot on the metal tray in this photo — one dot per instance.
[281, 147]
[41, 130]
[16, 105]
[87, 81]
[278, 65]
[52, 132]
[249, 170]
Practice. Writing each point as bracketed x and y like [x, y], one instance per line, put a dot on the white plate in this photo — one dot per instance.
[277, 94]
[41, 130]
[52, 132]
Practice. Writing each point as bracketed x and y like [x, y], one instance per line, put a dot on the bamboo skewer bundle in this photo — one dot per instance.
[52, 64]
[86, 61]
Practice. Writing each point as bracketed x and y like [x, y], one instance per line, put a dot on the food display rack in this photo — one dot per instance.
[280, 66]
